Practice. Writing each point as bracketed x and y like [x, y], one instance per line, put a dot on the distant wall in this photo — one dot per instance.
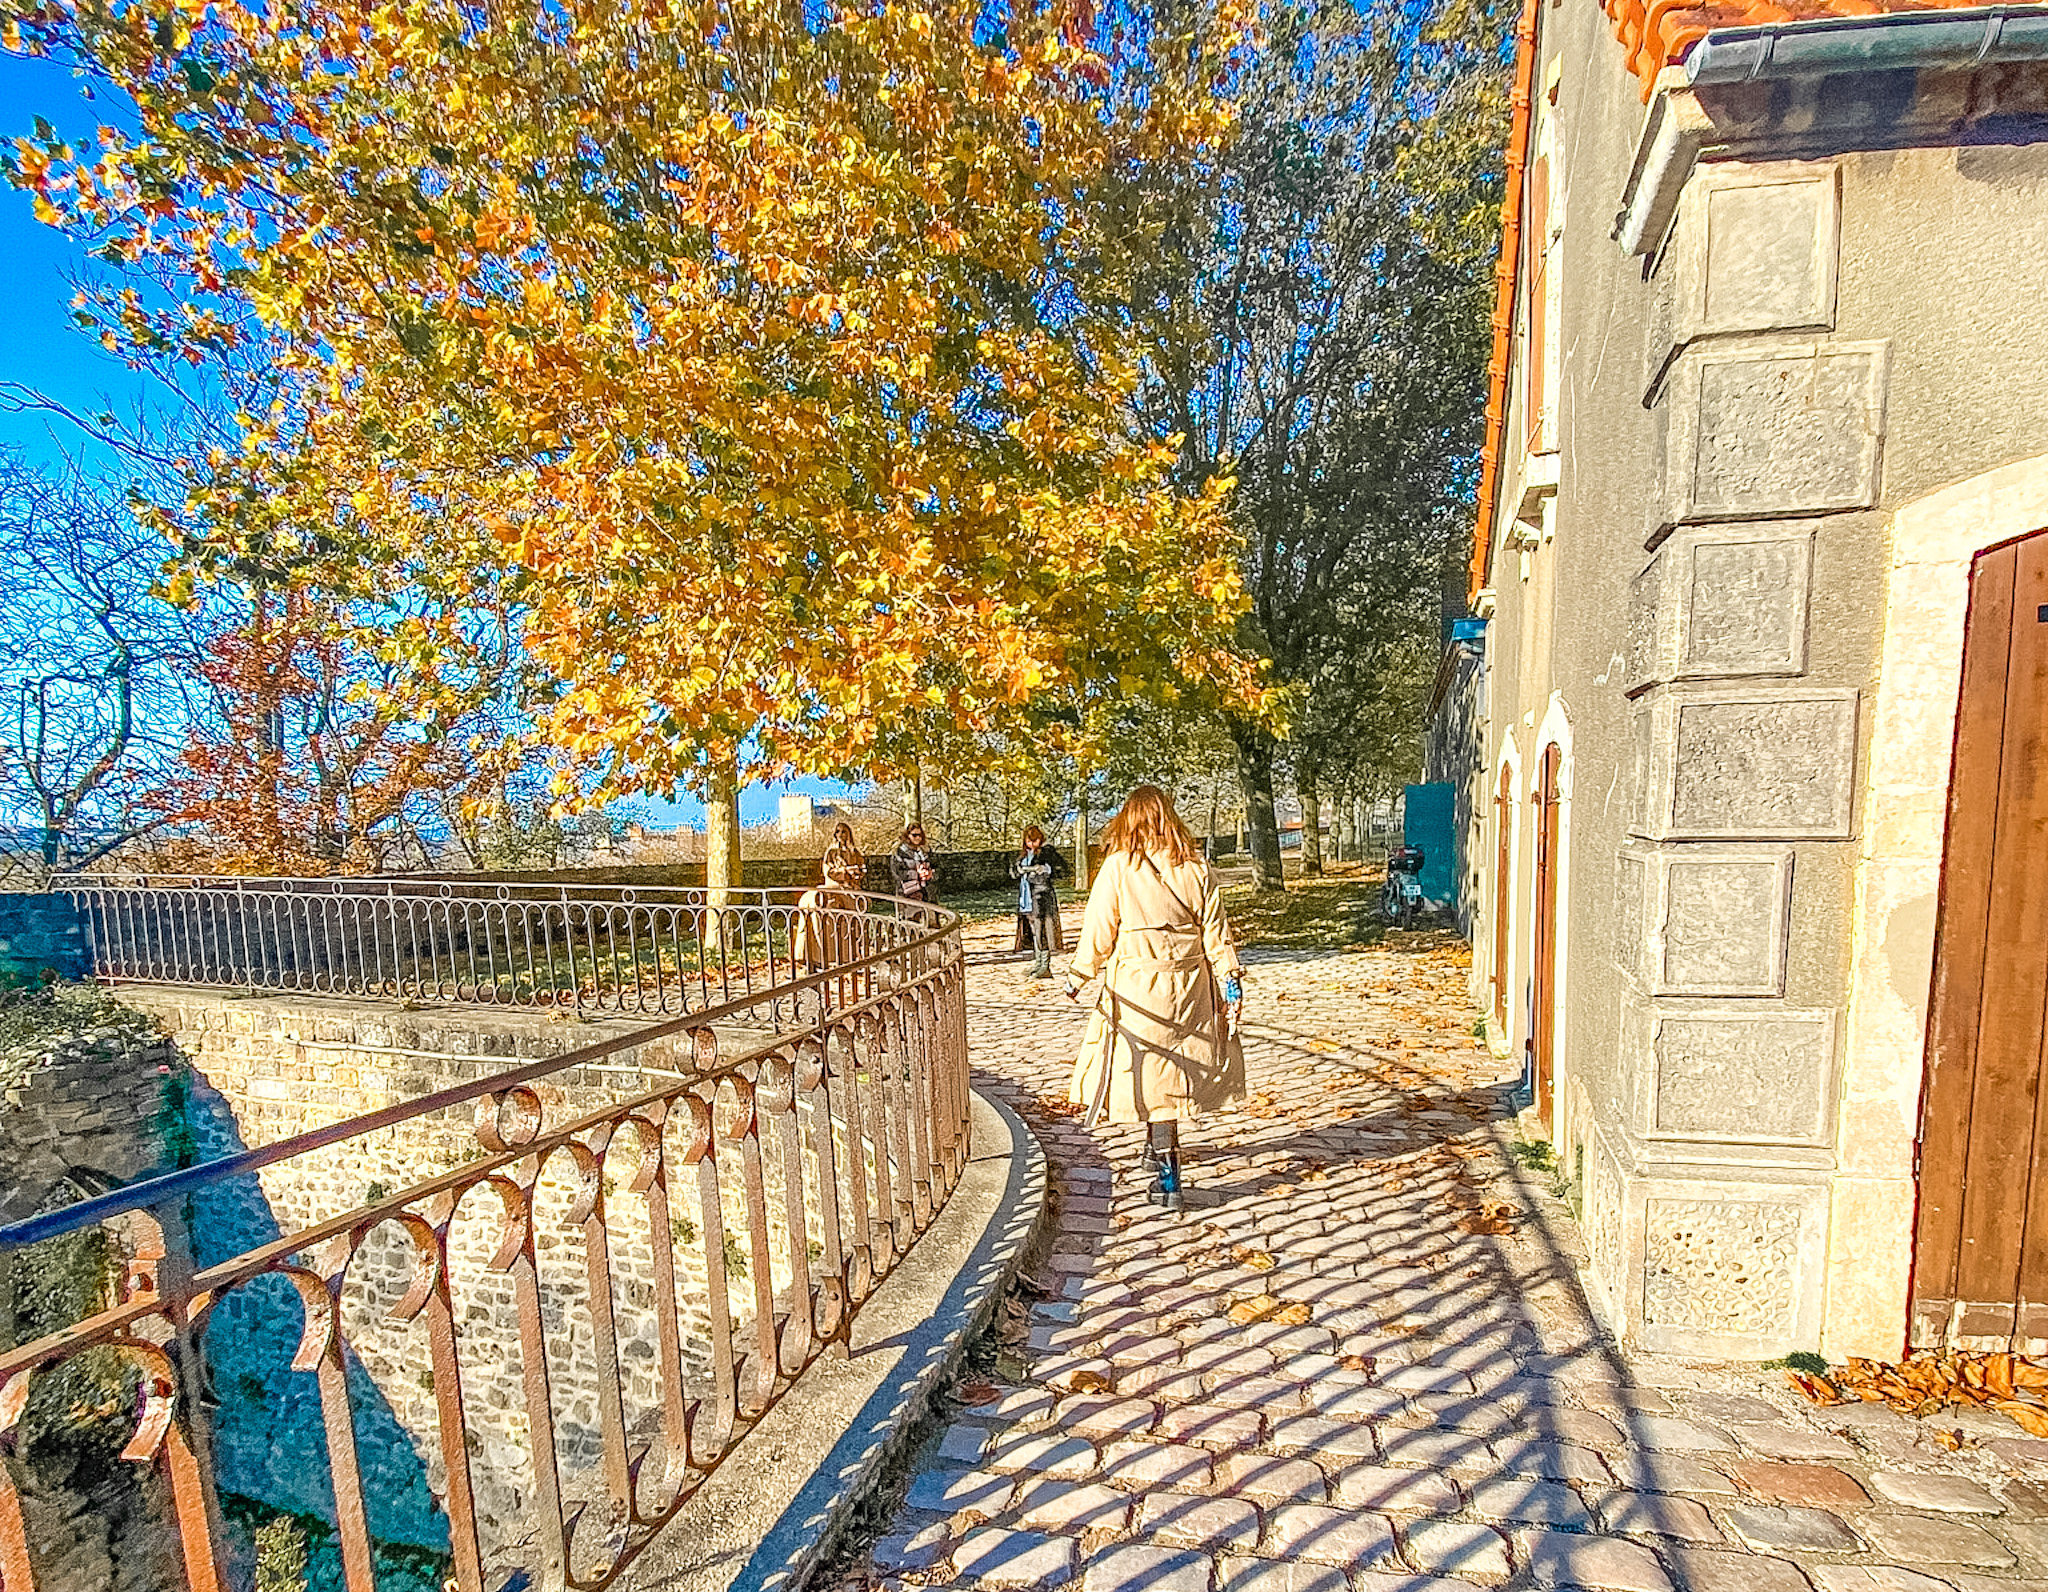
[958, 870]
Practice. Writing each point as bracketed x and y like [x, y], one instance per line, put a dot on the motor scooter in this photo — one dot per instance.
[1401, 900]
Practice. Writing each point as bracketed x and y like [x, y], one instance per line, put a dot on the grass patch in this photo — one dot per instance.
[1311, 914]
[1799, 1360]
[1538, 1155]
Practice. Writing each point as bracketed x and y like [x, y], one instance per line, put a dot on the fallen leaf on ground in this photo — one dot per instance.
[1323, 1045]
[1928, 1383]
[1090, 1382]
[1264, 1307]
[1358, 1362]
[979, 1392]
[1257, 1259]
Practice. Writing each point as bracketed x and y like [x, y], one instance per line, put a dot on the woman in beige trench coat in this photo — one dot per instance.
[1162, 1040]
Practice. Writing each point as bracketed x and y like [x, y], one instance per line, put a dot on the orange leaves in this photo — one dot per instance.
[1928, 1383]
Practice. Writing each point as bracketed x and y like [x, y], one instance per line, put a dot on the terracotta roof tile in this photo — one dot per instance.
[1657, 33]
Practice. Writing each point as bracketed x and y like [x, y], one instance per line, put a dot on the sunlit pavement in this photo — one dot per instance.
[1360, 1359]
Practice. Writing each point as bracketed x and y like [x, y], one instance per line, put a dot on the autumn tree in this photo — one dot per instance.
[737, 340]
[319, 751]
[1317, 328]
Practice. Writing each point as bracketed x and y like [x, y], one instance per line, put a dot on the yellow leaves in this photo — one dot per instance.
[1264, 1307]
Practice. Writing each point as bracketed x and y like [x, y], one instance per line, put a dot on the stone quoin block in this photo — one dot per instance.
[1727, 1268]
[1769, 431]
[1763, 763]
[1721, 602]
[1694, 921]
[1756, 248]
[1730, 1074]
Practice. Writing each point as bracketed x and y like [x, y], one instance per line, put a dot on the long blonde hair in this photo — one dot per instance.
[1148, 823]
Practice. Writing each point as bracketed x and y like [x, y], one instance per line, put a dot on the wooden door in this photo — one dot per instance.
[1503, 893]
[1980, 1252]
[1542, 1042]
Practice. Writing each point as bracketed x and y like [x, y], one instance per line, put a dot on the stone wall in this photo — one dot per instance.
[283, 1066]
[95, 1112]
[1688, 600]
[958, 870]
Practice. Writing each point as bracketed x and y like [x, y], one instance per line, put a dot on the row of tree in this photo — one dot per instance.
[597, 400]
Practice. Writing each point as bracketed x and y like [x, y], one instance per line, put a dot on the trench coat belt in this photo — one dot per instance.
[1194, 961]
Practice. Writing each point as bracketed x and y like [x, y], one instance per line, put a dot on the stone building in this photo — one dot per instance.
[1770, 402]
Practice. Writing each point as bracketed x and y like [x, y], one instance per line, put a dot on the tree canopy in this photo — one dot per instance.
[1317, 329]
[741, 348]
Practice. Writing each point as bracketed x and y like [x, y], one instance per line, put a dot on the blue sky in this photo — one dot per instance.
[40, 348]
[38, 344]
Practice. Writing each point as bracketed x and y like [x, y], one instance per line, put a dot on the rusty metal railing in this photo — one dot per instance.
[518, 1368]
[590, 947]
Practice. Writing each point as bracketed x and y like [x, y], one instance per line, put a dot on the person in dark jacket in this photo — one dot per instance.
[913, 870]
[1035, 867]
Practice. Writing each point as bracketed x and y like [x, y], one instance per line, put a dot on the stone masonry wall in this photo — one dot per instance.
[283, 1066]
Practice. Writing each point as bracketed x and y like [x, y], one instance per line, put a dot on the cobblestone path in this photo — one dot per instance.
[1360, 1362]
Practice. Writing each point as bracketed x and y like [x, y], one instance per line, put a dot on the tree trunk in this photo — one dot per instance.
[1347, 828]
[913, 801]
[1311, 820]
[1255, 779]
[721, 848]
[1081, 842]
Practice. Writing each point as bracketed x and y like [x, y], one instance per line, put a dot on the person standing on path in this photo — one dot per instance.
[1035, 867]
[843, 865]
[1162, 1041]
[912, 869]
[824, 936]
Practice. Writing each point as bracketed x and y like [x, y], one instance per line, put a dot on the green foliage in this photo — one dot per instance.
[34, 1018]
[682, 1230]
[1799, 1360]
[1538, 1155]
[281, 1555]
[735, 1256]
[1321, 333]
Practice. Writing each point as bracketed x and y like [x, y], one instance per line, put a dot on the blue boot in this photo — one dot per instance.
[1166, 1188]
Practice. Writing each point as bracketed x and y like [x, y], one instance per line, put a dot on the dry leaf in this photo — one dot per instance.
[1358, 1362]
[1257, 1259]
[1264, 1307]
[1952, 1441]
[979, 1391]
[1090, 1382]
[1998, 1380]
[1316, 1173]
[1323, 1045]
[2029, 1418]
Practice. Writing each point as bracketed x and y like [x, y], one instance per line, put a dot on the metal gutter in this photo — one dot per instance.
[1897, 41]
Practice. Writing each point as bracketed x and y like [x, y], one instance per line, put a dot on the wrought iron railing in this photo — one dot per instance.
[589, 947]
[527, 1360]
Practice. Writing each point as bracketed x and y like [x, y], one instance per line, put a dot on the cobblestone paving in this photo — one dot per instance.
[1360, 1361]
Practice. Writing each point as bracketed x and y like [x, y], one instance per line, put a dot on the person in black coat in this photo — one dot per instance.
[1035, 867]
[913, 871]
